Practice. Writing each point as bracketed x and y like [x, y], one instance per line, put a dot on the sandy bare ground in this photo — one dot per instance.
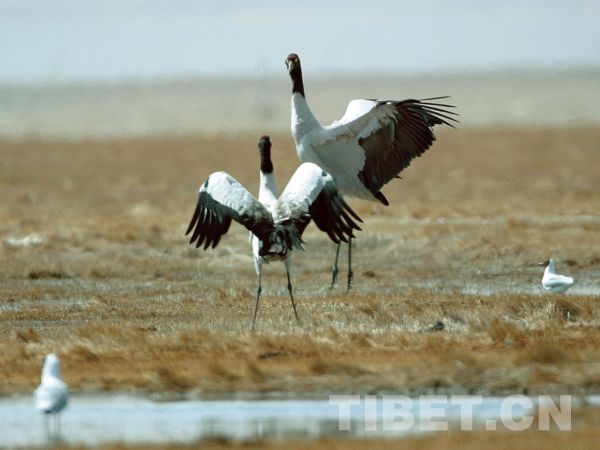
[106, 278]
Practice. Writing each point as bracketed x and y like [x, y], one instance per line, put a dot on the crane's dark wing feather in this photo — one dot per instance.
[390, 148]
[312, 194]
[222, 199]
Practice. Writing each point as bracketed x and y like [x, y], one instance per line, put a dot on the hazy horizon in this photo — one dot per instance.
[263, 103]
[108, 68]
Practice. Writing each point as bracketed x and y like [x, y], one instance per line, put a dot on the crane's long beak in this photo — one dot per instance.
[291, 64]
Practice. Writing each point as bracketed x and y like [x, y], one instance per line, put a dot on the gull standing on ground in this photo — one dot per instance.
[552, 281]
[276, 223]
[369, 146]
[51, 396]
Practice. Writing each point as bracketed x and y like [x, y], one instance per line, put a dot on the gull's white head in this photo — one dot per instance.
[549, 263]
[51, 367]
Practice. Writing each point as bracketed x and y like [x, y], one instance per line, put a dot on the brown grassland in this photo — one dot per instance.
[114, 289]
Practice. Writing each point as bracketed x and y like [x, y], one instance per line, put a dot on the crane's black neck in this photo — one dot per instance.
[266, 166]
[298, 84]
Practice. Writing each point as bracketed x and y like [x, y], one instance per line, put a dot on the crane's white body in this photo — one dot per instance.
[277, 221]
[335, 147]
[268, 196]
[554, 282]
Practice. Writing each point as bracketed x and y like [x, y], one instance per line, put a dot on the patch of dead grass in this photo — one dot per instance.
[116, 291]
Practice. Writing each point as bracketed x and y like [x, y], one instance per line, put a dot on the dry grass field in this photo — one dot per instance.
[95, 267]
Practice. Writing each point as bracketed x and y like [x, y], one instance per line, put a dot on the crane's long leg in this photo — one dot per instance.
[258, 291]
[334, 269]
[350, 274]
[288, 263]
[292, 296]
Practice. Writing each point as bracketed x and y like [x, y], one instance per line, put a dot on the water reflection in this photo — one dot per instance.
[93, 420]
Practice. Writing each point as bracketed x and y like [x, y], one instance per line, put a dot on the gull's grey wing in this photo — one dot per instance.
[557, 281]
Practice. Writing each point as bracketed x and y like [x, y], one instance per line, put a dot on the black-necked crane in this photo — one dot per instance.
[276, 222]
[369, 146]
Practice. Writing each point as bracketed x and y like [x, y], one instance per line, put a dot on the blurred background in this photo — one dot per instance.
[110, 68]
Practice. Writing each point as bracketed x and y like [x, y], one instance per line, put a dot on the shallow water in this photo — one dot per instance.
[93, 420]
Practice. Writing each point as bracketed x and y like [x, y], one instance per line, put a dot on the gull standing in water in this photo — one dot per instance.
[552, 281]
[52, 394]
